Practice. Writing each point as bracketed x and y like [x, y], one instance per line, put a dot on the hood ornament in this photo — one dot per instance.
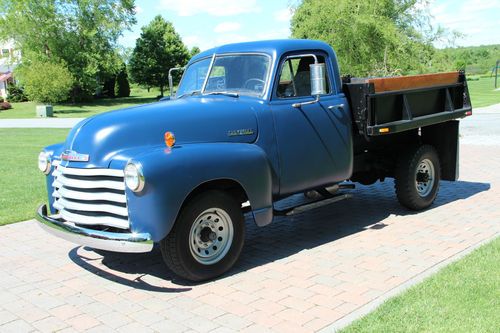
[73, 156]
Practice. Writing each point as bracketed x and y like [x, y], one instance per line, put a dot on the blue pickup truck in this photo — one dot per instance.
[250, 124]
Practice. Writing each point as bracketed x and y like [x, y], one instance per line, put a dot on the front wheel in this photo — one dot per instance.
[207, 237]
[417, 177]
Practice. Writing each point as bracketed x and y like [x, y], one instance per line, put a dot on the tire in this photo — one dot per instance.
[421, 163]
[207, 237]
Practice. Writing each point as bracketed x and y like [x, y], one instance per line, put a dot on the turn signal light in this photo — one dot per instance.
[384, 130]
[169, 139]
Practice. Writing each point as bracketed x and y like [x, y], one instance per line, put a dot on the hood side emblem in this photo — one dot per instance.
[240, 132]
[73, 156]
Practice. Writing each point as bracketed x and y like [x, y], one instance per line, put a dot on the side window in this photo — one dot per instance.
[295, 77]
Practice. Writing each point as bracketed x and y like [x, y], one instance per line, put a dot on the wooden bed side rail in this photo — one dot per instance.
[413, 81]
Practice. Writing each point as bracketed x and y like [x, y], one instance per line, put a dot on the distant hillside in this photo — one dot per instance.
[475, 59]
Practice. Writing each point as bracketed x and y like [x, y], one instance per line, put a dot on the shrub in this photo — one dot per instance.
[45, 81]
[16, 93]
[5, 106]
[122, 86]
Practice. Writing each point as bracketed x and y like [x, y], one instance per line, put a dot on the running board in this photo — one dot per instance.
[312, 205]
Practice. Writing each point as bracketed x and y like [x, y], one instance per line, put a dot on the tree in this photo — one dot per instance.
[80, 34]
[157, 50]
[370, 37]
[122, 87]
[45, 81]
[194, 51]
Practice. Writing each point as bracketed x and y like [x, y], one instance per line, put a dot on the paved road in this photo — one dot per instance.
[40, 123]
[483, 127]
[315, 271]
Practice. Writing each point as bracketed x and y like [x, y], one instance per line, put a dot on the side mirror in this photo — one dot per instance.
[318, 79]
[171, 80]
[318, 83]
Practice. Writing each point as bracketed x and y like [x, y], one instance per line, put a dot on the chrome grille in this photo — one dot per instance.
[90, 196]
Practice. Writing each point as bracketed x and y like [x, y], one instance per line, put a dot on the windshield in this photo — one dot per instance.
[232, 74]
[193, 77]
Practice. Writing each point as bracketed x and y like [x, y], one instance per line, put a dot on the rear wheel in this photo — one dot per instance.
[206, 239]
[417, 177]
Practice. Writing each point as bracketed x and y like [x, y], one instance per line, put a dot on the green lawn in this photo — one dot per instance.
[22, 184]
[483, 92]
[83, 110]
[462, 297]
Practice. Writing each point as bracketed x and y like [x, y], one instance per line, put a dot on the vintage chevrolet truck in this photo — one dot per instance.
[250, 124]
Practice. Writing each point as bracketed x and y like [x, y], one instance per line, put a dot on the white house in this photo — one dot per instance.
[9, 58]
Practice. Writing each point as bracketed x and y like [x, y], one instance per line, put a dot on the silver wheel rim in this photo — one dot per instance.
[211, 236]
[425, 177]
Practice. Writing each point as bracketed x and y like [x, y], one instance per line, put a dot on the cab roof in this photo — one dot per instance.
[271, 47]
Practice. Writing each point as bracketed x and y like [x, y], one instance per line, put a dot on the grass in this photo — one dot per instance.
[483, 92]
[82, 110]
[23, 185]
[462, 297]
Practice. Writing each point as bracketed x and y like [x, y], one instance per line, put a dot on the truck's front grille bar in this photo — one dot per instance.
[90, 196]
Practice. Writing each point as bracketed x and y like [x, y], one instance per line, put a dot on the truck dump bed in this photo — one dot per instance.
[388, 105]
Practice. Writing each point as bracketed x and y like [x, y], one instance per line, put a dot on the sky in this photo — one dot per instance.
[208, 23]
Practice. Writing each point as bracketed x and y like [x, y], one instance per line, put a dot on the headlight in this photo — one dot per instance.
[134, 179]
[44, 163]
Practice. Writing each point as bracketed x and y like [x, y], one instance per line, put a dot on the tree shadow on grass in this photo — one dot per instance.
[286, 235]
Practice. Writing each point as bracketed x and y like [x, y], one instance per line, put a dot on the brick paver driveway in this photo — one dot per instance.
[298, 274]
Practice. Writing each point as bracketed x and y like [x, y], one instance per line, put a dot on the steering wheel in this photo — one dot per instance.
[251, 80]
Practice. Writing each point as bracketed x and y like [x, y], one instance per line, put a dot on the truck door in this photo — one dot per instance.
[314, 140]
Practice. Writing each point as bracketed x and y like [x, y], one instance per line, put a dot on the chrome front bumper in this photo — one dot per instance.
[103, 240]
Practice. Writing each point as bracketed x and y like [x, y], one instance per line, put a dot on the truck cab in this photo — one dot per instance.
[250, 124]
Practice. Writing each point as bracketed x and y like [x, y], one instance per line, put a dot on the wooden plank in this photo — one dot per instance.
[413, 81]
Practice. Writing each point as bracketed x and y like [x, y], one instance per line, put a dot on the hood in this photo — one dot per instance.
[122, 134]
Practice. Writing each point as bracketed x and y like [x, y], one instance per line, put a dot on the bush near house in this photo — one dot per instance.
[45, 81]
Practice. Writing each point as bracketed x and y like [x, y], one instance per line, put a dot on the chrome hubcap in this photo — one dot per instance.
[424, 180]
[211, 236]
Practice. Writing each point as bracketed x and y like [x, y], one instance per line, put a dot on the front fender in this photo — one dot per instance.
[172, 174]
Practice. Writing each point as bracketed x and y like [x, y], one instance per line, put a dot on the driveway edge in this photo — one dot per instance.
[371, 306]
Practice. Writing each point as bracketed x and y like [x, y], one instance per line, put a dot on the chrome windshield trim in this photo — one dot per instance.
[208, 74]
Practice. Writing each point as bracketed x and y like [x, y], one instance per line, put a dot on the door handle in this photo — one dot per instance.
[338, 106]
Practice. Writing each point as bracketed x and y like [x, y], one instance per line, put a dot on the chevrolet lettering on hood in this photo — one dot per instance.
[73, 156]
[239, 132]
